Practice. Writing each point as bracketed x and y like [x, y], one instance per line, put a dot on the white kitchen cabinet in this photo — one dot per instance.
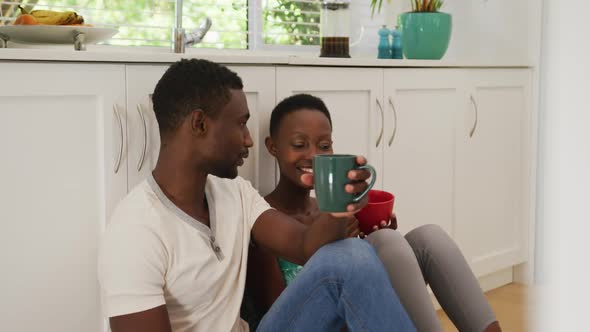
[419, 148]
[460, 158]
[493, 168]
[143, 133]
[64, 167]
[453, 145]
[475, 188]
[354, 97]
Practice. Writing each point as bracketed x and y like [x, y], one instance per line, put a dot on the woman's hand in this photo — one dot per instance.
[358, 185]
[352, 228]
[384, 224]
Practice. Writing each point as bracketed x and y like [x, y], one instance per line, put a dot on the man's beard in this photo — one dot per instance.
[225, 171]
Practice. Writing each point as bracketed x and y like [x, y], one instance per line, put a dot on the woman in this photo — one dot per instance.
[301, 127]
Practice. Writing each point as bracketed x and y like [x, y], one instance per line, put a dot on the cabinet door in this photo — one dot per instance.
[354, 98]
[259, 86]
[62, 130]
[144, 137]
[419, 145]
[492, 170]
[142, 126]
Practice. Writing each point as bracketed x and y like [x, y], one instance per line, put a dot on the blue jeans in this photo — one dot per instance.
[343, 284]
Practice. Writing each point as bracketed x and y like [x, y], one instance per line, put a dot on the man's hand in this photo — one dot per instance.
[358, 184]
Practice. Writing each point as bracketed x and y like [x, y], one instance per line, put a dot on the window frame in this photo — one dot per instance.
[254, 33]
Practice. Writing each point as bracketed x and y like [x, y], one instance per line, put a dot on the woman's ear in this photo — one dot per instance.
[270, 146]
[198, 122]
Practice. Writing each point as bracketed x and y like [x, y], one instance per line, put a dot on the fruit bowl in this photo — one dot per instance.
[55, 34]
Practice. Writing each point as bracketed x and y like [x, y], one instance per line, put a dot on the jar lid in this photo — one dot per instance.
[335, 4]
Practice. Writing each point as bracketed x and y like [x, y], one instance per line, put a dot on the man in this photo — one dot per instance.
[174, 255]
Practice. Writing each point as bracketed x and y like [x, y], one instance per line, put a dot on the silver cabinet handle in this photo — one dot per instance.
[120, 155]
[382, 124]
[472, 131]
[142, 157]
[394, 122]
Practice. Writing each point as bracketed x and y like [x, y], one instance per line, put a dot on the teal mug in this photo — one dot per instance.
[330, 176]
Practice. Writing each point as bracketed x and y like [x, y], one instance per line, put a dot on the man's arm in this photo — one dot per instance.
[152, 320]
[132, 279]
[287, 238]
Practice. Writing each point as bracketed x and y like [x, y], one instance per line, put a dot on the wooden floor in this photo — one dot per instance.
[509, 304]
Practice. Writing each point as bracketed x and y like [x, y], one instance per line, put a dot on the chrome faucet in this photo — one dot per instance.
[180, 39]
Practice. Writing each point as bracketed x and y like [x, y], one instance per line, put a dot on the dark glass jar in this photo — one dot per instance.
[335, 28]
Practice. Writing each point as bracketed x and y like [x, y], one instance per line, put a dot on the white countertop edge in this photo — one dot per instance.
[231, 57]
[401, 63]
[139, 57]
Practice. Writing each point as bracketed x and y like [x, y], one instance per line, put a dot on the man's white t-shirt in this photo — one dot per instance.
[152, 253]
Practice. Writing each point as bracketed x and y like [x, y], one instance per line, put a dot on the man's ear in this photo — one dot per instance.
[270, 146]
[198, 122]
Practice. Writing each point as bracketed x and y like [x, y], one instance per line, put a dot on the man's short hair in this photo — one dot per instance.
[192, 84]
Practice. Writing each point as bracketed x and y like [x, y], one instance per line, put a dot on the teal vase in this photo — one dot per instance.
[425, 35]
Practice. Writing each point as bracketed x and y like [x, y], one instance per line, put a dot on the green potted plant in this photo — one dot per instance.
[426, 32]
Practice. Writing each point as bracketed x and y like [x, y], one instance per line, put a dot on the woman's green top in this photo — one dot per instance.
[289, 270]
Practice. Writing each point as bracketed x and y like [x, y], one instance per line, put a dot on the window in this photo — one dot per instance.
[237, 24]
[291, 22]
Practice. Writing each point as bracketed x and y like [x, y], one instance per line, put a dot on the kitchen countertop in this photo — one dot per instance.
[122, 55]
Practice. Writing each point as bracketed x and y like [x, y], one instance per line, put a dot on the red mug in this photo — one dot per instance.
[379, 208]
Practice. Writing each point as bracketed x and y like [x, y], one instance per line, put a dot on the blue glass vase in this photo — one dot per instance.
[384, 48]
[396, 44]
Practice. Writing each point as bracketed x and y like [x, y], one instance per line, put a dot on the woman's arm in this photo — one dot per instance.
[264, 279]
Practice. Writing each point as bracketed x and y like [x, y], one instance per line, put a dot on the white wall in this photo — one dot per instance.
[564, 169]
[483, 30]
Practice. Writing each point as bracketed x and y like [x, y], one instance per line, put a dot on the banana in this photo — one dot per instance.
[50, 17]
[45, 13]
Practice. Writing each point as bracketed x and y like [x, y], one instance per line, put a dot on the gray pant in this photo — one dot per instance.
[427, 255]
